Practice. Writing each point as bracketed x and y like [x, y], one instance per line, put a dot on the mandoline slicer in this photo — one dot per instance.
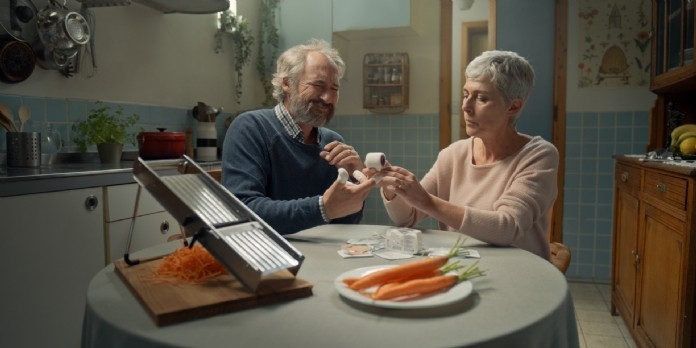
[246, 245]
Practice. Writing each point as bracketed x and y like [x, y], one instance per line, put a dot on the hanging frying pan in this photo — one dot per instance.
[17, 60]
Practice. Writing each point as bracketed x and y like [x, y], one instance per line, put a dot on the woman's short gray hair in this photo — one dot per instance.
[292, 62]
[510, 73]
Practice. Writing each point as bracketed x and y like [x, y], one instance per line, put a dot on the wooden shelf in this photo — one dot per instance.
[673, 73]
[385, 82]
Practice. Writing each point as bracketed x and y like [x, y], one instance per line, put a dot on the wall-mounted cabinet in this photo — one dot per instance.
[360, 19]
[673, 68]
[673, 74]
[385, 82]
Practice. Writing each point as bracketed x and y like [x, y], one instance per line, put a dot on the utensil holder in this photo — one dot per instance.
[24, 149]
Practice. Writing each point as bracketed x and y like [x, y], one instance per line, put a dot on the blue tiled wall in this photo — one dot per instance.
[409, 141]
[591, 140]
[63, 113]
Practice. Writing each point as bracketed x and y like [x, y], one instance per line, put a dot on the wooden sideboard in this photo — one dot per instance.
[654, 265]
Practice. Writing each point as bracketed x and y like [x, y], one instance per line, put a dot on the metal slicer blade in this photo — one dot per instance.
[239, 239]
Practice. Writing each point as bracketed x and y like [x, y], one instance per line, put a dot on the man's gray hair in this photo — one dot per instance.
[292, 62]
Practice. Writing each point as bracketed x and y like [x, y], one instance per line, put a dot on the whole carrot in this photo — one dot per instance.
[433, 273]
[405, 270]
[384, 288]
[425, 286]
[349, 281]
[414, 287]
[429, 273]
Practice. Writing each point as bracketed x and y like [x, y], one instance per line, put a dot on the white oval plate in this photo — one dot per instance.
[454, 294]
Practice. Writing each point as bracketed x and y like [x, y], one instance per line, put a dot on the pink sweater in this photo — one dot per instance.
[507, 202]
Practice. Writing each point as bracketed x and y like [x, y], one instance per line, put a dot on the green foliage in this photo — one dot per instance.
[268, 47]
[102, 126]
[238, 29]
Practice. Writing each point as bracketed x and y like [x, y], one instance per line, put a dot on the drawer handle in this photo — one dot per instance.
[662, 187]
[164, 227]
[91, 202]
[624, 176]
[636, 257]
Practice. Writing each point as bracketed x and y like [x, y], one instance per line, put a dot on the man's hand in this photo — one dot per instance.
[344, 199]
[342, 156]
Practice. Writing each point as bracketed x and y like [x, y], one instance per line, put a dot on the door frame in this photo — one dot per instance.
[467, 31]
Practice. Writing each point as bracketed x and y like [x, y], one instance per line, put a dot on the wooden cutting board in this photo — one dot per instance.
[170, 304]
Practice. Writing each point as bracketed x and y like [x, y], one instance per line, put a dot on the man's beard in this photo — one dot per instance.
[302, 112]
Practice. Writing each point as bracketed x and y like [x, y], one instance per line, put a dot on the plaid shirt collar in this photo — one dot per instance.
[289, 124]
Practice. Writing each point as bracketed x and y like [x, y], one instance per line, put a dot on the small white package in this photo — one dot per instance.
[403, 239]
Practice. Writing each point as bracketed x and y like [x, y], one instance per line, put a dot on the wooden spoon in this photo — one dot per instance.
[7, 122]
[7, 115]
[24, 115]
[4, 122]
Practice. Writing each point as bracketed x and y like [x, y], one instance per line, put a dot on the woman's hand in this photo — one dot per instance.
[400, 181]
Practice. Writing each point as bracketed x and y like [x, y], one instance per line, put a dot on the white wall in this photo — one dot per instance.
[300, 20]
[146, 57]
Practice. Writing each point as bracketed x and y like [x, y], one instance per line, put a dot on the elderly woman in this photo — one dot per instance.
[498, 185]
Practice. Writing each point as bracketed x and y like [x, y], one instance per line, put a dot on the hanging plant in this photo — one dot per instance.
[268, 47]
[238, 29]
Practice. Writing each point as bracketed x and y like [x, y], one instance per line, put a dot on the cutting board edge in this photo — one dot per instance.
[300, 289]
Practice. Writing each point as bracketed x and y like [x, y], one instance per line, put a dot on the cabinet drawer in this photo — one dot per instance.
[120, 201]
[148, 230]
[669, 189]
[627, 177]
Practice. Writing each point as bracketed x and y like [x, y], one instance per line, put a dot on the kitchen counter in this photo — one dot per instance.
[684, 167]
[70, 173]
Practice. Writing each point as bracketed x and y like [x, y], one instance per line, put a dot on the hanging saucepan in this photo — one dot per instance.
[61, 33]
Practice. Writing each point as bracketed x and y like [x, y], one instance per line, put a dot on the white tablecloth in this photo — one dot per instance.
[523, 301]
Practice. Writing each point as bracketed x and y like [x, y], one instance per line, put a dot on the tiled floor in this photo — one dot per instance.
[597, 328]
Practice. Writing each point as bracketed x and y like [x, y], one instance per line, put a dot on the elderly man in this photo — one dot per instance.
[282, 162]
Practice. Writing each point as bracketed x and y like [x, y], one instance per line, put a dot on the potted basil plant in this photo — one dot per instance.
[109, 131]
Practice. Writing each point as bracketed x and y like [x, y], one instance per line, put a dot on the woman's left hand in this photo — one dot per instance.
[400, 181]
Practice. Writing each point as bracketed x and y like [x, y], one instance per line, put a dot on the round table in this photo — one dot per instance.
[523, 301]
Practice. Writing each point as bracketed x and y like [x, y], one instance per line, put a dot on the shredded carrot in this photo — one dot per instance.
[188, 266]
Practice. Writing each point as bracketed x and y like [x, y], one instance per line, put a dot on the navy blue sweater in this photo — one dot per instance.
[277, 177]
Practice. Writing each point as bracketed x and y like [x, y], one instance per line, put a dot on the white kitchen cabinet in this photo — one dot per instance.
[153, 224]
[52, 245]
[370, 14]
[361, 19]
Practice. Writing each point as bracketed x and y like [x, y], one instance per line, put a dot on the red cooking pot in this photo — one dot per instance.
[161, 145]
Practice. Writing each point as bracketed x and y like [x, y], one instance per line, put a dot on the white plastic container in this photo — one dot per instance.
[403, 239]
